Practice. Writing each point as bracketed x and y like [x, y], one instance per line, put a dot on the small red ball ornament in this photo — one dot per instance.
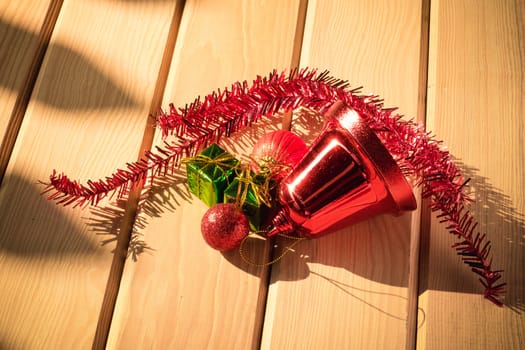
[224, 226]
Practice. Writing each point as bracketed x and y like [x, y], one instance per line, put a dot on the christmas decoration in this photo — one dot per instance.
[251, 193]
[278, 151]
[347, 175]
[209, 173]
[192, 128]
[224, 226]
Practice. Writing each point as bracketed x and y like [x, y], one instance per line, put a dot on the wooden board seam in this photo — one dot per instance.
[132, 202]
[420, 223]
[286, 125]
[22, 99]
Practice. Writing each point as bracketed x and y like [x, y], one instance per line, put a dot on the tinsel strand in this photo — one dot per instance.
[226, 111]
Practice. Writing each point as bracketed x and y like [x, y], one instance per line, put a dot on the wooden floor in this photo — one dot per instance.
[78, 80]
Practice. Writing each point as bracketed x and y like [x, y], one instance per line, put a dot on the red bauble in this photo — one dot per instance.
[224, 226]
[279, 150]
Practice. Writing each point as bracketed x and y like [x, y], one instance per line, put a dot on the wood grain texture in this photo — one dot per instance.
[25, 29]
[476, 105]
[20, 23]
[86, 116]
[183, 294]
[348, 290]
[108, 66]
[127, 214]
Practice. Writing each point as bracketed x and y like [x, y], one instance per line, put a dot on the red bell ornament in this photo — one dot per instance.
[346, 176]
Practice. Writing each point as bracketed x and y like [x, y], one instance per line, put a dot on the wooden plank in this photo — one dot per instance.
[127, 213]
[476, 104]
[20, 23]
[24, 34]
[183, 294]
[349, 290]
[86, 117]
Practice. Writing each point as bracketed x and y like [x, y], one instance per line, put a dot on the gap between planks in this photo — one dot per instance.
[420, 225]
[119, 259]
[22, 99]
[132, 202]
[286, 125]
[121, 250]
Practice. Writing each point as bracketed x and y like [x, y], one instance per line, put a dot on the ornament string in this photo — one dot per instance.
[220, 162]
[296, 241]
[269, 166]
[259, 184]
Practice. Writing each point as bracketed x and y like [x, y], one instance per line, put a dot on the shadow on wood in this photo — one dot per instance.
[357, 248]
[505, 228]
[30, 227]
[77, 82]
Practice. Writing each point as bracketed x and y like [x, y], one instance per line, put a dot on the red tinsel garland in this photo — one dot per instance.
[223, 112]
